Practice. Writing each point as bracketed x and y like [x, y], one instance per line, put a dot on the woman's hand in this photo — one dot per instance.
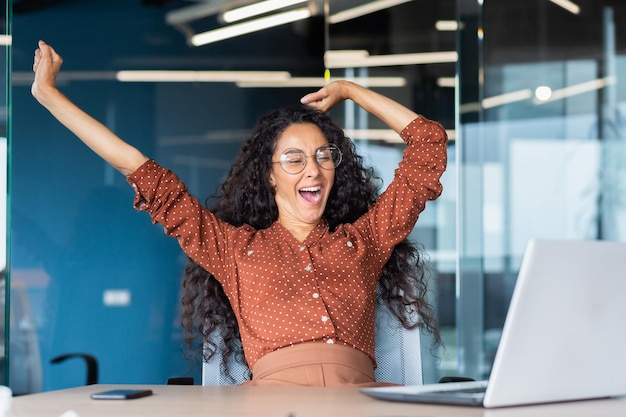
[328, 96]
[392, 113]
[46, 65]
[122, 156]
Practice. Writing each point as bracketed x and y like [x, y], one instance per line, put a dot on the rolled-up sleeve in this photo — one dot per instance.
[425, 158]
[416, 181]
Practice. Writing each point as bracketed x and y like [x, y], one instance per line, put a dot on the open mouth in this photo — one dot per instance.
[311, 194]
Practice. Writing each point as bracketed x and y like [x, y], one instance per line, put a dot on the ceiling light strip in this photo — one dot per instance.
[195, 12]
[202, 76]
[26, 77]
[507, 98]
[387, 135]
[362, 10]
[246, 12]
[449, 82]
[567, 5]
[579, 89]
[447, 25]
[526, 94]
[315, 82]
[239, 29]
[340, 61]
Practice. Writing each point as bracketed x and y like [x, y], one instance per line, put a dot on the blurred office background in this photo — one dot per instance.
[530, 93]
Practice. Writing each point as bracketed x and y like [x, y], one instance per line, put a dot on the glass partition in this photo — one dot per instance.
[541, 146]
[5, 65]
[406, 50]
[539, 149]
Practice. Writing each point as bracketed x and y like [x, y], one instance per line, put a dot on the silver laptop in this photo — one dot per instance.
[564, 336]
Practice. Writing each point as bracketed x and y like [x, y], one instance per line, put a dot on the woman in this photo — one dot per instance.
[298, 241]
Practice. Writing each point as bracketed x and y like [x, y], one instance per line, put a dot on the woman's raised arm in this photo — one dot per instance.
[122, 156]
[394, 114]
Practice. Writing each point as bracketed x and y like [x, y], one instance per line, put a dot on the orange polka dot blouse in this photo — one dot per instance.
[286, 292]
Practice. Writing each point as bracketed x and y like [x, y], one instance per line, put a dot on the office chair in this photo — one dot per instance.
[397, 353]
[213, 371]
[90, 362]
[398, 350]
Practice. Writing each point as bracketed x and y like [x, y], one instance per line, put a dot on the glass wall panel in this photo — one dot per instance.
[407, 51]
[5, 64]
[543, 140]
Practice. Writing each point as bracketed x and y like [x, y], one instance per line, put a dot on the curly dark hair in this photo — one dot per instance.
[246, 197]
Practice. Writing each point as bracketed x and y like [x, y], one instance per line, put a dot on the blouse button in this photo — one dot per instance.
[330, 341]
[315, 295]
[308, 268]
[324, 319]
[349, 244]
[301, 248]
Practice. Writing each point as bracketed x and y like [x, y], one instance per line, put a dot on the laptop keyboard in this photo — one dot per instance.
[476, 390]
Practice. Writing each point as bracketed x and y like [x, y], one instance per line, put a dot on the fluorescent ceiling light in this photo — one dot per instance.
[346, 55]
[446, 82]
[26, 77]
[543, 93]
[578, 89]
[526, 94]
[568, 5]
[388, 135]
[363, 9]
[256, 9]
[315, 82]
[507, 98]
[201, 76]
[195, 12]
[447, 25]
[341, 59]
[239, 29]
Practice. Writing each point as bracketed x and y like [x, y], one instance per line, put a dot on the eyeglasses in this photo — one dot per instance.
[293, 160]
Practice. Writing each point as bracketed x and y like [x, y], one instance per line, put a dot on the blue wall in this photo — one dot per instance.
[74, 231]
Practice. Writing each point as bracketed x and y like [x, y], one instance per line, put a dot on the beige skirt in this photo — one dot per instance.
[315, 364]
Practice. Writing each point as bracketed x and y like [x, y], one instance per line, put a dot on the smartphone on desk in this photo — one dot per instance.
[121, 394]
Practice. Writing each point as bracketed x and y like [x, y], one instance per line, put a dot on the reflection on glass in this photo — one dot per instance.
[405, 39]
[548, 150]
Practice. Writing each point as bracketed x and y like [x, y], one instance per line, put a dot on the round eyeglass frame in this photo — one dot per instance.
[336, 154]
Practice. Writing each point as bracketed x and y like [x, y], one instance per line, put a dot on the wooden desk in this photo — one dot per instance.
[190, 401]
